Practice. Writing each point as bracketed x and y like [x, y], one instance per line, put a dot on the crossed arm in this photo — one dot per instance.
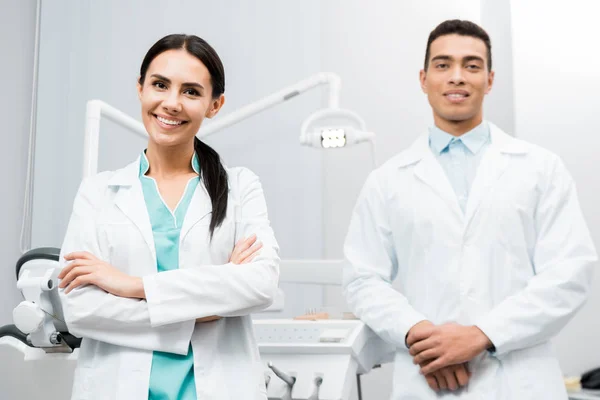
[84, 268]
[106, 304]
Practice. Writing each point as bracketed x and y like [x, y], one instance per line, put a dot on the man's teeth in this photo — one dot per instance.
[168, 121]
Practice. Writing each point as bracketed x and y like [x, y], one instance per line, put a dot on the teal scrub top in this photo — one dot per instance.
[172, 375]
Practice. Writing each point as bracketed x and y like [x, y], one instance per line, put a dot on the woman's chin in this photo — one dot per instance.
[169, 140]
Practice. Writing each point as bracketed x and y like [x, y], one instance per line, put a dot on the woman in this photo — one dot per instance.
[151, 278]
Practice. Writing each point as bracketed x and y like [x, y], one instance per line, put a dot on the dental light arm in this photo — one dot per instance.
[281, 96]
[327, 128]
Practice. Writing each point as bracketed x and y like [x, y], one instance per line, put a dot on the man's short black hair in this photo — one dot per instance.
[462, 28]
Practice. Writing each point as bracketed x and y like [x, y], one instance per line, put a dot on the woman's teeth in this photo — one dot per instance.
[168, 121]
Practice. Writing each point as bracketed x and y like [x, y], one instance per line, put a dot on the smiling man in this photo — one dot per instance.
[484, 235]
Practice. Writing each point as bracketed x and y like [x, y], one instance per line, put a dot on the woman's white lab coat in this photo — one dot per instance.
[119, 334]
[518, 263]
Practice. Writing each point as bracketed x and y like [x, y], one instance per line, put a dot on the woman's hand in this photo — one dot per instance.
[245, 250]
[87, 269]
[209, 319]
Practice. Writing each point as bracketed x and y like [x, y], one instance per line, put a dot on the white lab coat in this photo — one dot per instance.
[518, 263]
[110, 220]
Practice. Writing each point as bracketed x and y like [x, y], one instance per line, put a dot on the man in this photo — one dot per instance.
[485, 236]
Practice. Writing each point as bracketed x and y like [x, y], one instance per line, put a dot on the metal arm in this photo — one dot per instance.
[97, 108]
[281, 96]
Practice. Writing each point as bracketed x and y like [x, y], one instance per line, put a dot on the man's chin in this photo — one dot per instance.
[458, 118]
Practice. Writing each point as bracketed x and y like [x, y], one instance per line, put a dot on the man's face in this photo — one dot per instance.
[457, 80]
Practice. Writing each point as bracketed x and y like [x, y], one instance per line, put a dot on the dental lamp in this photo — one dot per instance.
[328, 128]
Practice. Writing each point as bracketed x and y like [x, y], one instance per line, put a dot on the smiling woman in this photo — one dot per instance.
[179, 94]
[165, 259]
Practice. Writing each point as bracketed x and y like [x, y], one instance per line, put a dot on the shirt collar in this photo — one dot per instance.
[473, 140]
[145, 164]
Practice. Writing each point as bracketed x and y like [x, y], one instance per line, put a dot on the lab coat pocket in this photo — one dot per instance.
[83, 384]
[207, 250]
[260, 379]
[227, 235]
[524, 367]
[124, 246]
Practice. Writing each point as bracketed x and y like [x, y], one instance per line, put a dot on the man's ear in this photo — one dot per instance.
[423, 80]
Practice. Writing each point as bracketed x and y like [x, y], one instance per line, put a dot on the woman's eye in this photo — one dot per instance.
[159, 85]
[192, 92]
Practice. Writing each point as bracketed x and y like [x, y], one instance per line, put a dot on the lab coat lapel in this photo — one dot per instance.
[130, 200]
[200, 207]
[494, 163]
[492, 167]
[430, 172]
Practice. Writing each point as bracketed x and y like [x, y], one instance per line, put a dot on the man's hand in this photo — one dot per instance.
[449, 378]
[435, 347]
[420, 329]
[87, 269]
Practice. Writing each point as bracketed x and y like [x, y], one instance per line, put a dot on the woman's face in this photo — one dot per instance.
[176, 97]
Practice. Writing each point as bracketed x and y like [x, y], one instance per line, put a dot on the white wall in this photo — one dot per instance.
[17, 33]
[557, 82]
[499, 105]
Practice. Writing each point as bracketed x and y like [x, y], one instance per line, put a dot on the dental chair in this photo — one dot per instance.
[303, 359]
[38, 349]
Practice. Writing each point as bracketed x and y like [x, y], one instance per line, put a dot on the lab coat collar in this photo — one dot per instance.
[126, 176]
[474, 140]
[500, 141]
[145, 163]
[491, 168]
[129, 175]
[130, 200]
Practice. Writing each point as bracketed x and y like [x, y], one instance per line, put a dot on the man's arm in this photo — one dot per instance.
[371, 267]
[564, 259]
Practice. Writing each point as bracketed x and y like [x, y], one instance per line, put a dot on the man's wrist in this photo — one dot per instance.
[483, 342]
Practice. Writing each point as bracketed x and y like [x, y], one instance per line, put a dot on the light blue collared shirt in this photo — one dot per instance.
[460, 157]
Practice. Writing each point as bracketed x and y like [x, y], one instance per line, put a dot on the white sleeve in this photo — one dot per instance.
[225, 290]
[91, 312]
[564, 260]
[371, 266]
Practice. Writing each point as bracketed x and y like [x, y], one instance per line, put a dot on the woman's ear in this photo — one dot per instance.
[139, 87]
[215, 106]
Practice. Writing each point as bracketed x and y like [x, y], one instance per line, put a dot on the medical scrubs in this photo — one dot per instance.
[172, 375]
